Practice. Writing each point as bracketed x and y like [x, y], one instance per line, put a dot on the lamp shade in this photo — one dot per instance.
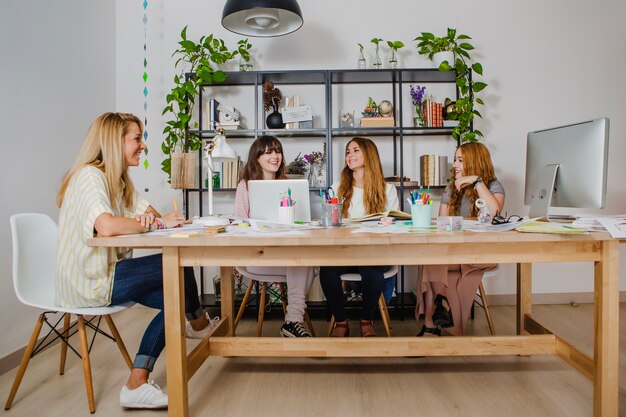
[222, 151]
[262, 18]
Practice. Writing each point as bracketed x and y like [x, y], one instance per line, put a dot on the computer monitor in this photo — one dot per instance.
[566, 166]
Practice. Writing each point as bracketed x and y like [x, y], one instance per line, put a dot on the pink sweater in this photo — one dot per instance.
[242, 202]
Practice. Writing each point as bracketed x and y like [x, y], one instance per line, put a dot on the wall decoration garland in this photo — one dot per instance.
[146, 164]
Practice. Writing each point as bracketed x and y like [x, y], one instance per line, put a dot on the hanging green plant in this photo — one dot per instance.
[464, 65]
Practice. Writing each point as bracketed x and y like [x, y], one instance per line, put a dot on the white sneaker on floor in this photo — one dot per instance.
[148, 395]
[201, 334]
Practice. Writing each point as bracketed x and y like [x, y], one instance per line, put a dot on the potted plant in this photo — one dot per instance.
[464, 66]
[244, 55]
[195, 62]
[377, 64]
[297, 167]
[394, 45]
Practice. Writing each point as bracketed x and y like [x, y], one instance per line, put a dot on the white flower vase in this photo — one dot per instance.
[317, 175]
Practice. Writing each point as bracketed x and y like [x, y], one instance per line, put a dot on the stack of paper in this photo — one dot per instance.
[588, 222]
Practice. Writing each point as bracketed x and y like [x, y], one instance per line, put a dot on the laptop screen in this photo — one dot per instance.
[265, 197]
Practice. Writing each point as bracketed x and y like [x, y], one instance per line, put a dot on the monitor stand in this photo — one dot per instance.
[541, 198]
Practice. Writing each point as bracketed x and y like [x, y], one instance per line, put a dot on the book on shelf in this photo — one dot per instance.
[380, 121]
[377, 216]
[433, 170]
[230, 126]
[229, 173]
[211, 114]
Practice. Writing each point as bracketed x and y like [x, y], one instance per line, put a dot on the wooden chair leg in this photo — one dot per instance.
[283, 297]
[309, 323]
[244, 302]
[259, 326]
[330, 326]
[64, 332]
[118, 340]
[84, 352]
[483, 298]
[382, 305]
[24, 362]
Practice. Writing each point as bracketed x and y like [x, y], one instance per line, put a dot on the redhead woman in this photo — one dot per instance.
[363, 190]
[97, 198]
[447, 291]
[265, 162]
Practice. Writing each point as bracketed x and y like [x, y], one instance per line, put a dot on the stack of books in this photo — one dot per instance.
[432, 113]
[229, 172]
[433, 170]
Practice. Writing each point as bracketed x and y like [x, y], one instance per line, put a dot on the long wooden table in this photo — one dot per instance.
[341, 247]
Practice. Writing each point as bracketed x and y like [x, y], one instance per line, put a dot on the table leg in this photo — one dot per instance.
[227, 301]
[524, 294]
[606, 332]
[174, 302]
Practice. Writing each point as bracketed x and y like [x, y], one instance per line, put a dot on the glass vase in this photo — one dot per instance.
[245, 65]
[393, 61]
[317, 175]
[377, 62]
[361, 63]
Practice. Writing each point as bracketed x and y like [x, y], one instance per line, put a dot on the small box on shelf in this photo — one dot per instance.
[382, 121]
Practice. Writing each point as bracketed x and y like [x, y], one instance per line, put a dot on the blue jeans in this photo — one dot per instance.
[141, 280]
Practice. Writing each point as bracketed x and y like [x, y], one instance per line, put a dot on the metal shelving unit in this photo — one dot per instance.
[330, 79]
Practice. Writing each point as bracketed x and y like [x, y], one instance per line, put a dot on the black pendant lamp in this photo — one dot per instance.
[262, 18]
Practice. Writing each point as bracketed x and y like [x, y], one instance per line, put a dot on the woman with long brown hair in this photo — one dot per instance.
[265, 162]
[363, 190]
[97, 197]
[446, 292]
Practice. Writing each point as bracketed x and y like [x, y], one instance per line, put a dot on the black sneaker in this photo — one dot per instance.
[294, 329]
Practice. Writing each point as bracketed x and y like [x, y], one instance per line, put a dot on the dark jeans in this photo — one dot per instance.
[372, 285]
[141, 280]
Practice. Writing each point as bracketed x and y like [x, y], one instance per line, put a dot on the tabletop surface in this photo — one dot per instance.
[339, 236]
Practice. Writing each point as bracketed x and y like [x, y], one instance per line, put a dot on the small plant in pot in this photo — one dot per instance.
[462, 63]
[297, 168]
[195, 62]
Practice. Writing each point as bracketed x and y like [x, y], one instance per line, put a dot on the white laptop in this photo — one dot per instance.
[265, 197]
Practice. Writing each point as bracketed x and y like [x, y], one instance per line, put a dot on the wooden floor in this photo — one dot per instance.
[276, 387]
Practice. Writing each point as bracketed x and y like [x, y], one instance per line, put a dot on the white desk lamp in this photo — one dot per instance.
[216, 150]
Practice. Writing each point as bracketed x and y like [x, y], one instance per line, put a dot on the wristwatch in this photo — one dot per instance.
[478, 181]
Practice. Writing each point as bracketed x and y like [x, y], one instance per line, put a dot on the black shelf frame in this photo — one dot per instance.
[328, 78]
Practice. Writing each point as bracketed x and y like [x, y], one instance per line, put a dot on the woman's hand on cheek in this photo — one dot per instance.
[463, 182]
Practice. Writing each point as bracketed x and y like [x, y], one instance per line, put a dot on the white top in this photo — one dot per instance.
[85, 274]
[357, 208]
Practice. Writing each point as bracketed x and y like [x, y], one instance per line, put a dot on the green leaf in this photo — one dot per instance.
[477, 113]
[480, 101]
[466, 46]
[187, 44]
[463, 37]
[444, 66]
[183, 34]
[477, 68]
[478, 86]
[479, 133]
[219, 76]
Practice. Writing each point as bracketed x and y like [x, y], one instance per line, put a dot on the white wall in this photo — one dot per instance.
[57, 75]
[547, 64]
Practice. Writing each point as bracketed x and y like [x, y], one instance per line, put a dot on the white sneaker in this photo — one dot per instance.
[148, 395]
[201, 334]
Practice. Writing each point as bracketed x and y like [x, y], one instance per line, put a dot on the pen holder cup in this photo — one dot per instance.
[286, 215]
[449, 223]
[421, 214]
[331, 215]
